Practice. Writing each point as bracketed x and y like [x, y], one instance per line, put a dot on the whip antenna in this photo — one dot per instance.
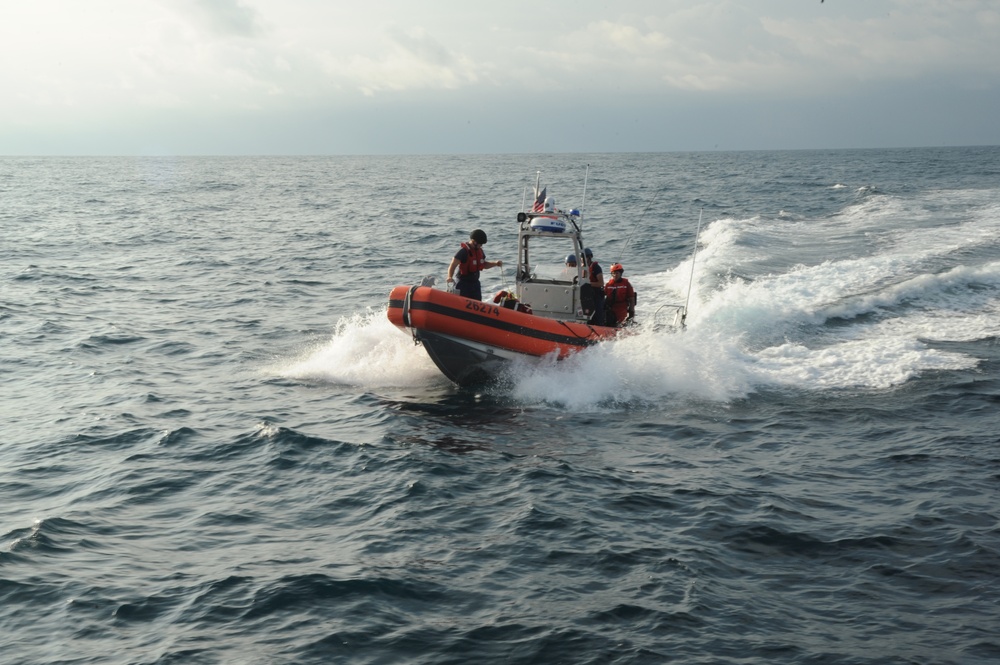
[629, 239]
[691, 279]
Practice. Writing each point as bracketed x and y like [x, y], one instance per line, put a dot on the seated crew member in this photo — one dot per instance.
[470, 260]
[569, 271]
[619, 297]
[509, 300]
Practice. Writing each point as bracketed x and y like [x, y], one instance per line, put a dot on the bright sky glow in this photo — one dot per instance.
[396, 76]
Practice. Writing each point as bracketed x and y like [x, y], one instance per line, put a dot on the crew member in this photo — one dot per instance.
[620, 297]
[597, 282]
[509, 300]
[569, 272]
[470, 260]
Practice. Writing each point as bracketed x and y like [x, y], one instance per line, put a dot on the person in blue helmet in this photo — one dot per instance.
[569, 271]
[596, 281]
[470, 261]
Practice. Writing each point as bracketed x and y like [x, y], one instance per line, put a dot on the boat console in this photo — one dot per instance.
[544, 239]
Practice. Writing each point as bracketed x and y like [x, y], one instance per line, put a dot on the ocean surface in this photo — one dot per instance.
[216, 449]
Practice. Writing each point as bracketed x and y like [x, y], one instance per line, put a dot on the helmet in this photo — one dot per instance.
[615, 267]
[571, 259]
[504, 295]
[589, 254]
[479, 236]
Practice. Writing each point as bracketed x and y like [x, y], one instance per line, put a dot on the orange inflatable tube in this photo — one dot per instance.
[433, 310]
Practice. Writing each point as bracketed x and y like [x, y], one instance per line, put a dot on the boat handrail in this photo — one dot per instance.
[680, 314]
[552, 280]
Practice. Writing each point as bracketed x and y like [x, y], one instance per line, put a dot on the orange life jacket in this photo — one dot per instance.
[618, 295]
[595, 270]
[475, 258]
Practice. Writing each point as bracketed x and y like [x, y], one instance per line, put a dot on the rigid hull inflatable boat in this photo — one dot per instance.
[550, 312]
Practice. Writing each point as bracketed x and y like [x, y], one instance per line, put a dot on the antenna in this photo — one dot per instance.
[637, 225]
[691, 278]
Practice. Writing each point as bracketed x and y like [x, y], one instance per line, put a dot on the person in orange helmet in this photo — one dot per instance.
[619, 297]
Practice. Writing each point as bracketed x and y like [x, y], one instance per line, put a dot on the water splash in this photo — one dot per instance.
[365, 350]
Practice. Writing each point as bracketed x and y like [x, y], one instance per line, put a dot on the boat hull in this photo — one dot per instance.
[472, 342]
[464, 362]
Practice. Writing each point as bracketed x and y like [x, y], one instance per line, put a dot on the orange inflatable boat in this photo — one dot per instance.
[553, 310]
[472, 342]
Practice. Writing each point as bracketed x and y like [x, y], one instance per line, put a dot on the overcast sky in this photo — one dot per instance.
[124, 77]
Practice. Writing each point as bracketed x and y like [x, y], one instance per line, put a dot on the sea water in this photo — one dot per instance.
[216, 449]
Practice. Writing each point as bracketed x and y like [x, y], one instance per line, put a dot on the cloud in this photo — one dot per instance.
[111, 62]
[898, 45]
[412, 60]
[422, 47]
[726, 47]
[684, 49]
[230, 17]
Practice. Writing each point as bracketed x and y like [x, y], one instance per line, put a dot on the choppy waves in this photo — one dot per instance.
[218, 450]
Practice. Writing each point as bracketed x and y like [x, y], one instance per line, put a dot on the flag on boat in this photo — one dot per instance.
[539, 201]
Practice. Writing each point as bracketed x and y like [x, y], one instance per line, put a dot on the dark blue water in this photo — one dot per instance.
[215, 448]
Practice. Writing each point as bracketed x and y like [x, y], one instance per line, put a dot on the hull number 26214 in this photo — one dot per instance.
[482, 308]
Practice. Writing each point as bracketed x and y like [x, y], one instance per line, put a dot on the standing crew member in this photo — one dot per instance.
[596, 281]
[620, 297]
[470, 260]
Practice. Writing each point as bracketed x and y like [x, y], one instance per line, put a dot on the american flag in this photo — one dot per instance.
[539, 201]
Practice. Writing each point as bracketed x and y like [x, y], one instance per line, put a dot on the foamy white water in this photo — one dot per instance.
[366, 350]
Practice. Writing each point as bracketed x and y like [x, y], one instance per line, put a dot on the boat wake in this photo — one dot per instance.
[874, 320]
[886, 314]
